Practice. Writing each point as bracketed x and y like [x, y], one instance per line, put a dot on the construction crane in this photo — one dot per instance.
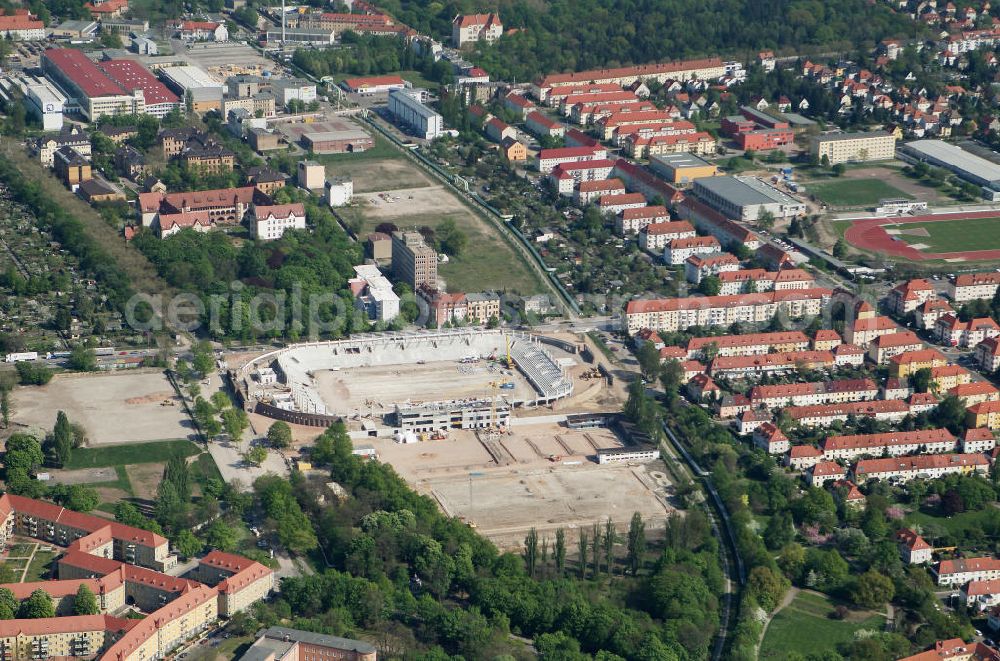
[510, 361]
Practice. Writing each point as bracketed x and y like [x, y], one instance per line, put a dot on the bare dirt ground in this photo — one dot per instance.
[375, 390]
[83, 476]
[114, 408]
[380, 175]
[145, 478]
[567, 490]
[400, 204]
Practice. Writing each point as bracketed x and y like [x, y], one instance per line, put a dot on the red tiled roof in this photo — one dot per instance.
[600, 185]
[373, 81]
[623, 72]
[887, 439]
[694, 302]
[803, 451]
[68, 624]
[279, 210]
[848, 408]
[918, 462]
[676, 227]
[654, 211]
[912, 540]
[568, 152]
[695, 242]
[623, 198]
[788, 359]
[84, 522]
[970, 279]
[83, 72]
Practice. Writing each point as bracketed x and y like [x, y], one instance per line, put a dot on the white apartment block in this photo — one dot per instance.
[469, 28]
[567, 176]
[673, 314]
[373, 293]
[962, 570]
[808, 394]
[271, 222]
[988, 354]
[972, 286]
[751, 344]
[678, 250]
[655, 236]
[854, 147]
[698, 267]
[549, 158]
[904, 469]
[636, 219]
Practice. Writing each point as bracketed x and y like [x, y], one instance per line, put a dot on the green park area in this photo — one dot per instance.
[854, 192]
[806, 626]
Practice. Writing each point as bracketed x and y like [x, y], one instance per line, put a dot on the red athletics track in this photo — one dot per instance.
[869, 234]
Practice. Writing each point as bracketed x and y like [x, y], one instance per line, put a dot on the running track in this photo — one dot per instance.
[869, 234]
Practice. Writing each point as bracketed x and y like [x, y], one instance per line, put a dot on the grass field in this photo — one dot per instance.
[382, 150]
[804, 627]
[957, 235]
[854, 192]
[40, 568]
[137, 453]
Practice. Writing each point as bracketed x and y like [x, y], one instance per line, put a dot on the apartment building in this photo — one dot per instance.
[907, 363]
[60, 637]
[548, 159]
[620, 203]
[220, 206]
[863, 331]
[636, 219]
[481, 307]
[589, 191]
[825, 471]
[705, 69]
[801, 457]
[751, 344]
[282, 644]
[884, 347]
[655, 236]
[951, 331]
[908, 296]
[566, 176]
[947, 377]
[894, 443]
[470, 28]
[672, 314]
[373, 293]
[769, 438]
[985, 414]
[638, 145]
[73, 137]
[498, 130]
[927, 314]
[956, 649]
[824, 415]
[678, 250]
[701, 266]
[758, 280]
[988, 354]
[71, 168]
[931, 466]
[826, 340]
[22, 27]
[977, 439]
[962, 570]
[808, 394]
[973, 286]
[413, 261]
[241, 582]
[270, 222]
[746, 367]
[975, 392]
[539, 125]
[853, 147]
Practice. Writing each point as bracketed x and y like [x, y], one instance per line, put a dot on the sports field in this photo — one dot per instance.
[855, 192]
[953, 236]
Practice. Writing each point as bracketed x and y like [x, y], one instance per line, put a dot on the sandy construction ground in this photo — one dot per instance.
[114, 408]
[376, 389]
[552, 481]
[411, 203]
[83, 476]
[380, 175]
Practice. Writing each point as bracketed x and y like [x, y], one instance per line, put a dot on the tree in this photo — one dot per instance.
[921, 379]
[256, 455]
[872, 589]
[840, 248]
[636, 543]
[81, 498]
[581, 548]
[187, 544]
[838, 169]
[83, 359]
[531, 551]
[779, 531]
[85, 602]
[949, 413]
[177, 473]
[710, 285]
[62, 438]
[8, 604]
[767, 587]
[279, 435]
[450, 239]
[560, 551]
[37, 606]
[648, 357]
[30, 374]
[220, 535]
[235, 423]
[765, 219]
[220, 400]
[609, 538]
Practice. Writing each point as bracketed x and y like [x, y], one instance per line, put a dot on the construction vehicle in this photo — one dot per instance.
[509, 385]
[555, 457]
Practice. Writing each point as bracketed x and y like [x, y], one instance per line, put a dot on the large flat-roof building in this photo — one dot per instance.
[746, 198]
[112, 87]
[682, 168]
[405, 105]
[854, 147]
[282, 644]
[966, 165]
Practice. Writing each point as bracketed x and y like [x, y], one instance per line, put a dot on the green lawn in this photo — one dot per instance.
[383, 149]
[40, 568]
[804, 627]
[854, 192]
[956, 235]
[136, 453]
[417, 79]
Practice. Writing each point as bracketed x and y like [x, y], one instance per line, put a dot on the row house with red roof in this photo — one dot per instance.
[729, 233]
[962, 570]
[590, 191]
[548, 159]
[885, 347]
[925, 467]
[697, 267]
[820, 392]
[750, 344]
[539, 125]
[679, 250]
[929, 312]
[745, 281]
[750, 367]
[824, 415]
[655, 235]
[973, 286]
[908, 296]
[988, 354]
[565, 177]
[472, 28]
[637, 217]
[620, 203]
[853, 446]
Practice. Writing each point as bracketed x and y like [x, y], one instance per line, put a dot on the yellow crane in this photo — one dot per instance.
[510, 361]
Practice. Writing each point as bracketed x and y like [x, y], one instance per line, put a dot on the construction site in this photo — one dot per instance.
[505, 430]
